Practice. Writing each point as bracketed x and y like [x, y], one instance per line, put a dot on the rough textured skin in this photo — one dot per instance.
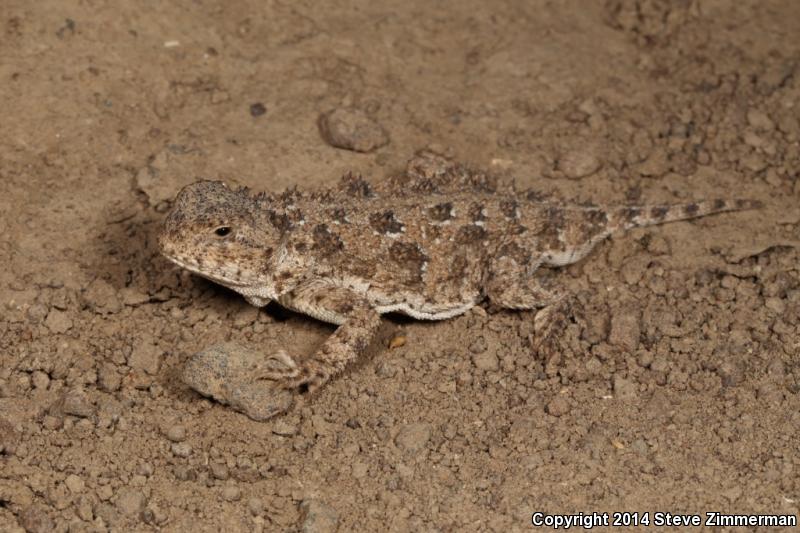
[430, 243]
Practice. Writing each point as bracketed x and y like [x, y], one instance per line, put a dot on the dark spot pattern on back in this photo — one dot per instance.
[691, 209]
[385, 222]
[475, 212]
[719, 203]
[555, 216]
[326, 242]
[470, 234]
[520, 255]
[279, 220]
[338, 214]
[458, 267]
[632, 212]
[410, 258]
[441, 212]
[510, 208]
[658, 212]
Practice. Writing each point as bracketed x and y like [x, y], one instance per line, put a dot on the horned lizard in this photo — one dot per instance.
[430, 243]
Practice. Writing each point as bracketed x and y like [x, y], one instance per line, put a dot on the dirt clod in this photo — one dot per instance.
[352, 129]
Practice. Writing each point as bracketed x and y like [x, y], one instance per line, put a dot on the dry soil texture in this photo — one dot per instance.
[678, 388]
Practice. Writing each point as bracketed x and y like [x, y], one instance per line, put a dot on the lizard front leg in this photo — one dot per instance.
[358, 324]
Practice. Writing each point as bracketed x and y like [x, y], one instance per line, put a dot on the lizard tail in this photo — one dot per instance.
[622, 218]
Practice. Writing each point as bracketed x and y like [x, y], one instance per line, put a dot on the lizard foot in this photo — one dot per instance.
[279, 366]
[549, 325]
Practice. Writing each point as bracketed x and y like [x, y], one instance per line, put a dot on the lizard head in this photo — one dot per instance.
[219, 233]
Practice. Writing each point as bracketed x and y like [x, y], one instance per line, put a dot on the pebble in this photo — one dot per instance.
[486, 361]
[284, 428]
[352, 129]
[318, 517]
[231, 493]
[228, 373]
[558, 406]
[257, 109]
[108, 378]
[76, 403]
[9, 438]
[579, 163]
[479, 345]
[255, 506]
[181, 449]
[146, 357]
[35, 519]
[40, 380]
[760, 120]
[413, 437]
[58, 321]
[624, 389]
[132, 297]
[130, 502]
[176, 433]
[74, 483]
[219, 471]
[102, 297]
[625, 330]
[36, 313]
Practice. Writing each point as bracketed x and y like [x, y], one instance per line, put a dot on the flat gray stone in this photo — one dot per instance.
[229, 373]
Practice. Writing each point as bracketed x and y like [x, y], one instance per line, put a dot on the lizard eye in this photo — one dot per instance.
[222, 231]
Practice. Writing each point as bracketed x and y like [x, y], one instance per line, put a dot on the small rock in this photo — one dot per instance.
[231, 493]
[413, 437]
[318, 517]
[759, 120]
[624, 389]
[130, 502]
[257, 109]
[255, 506]
[579, 163]
[74, 483]
[52, 423]
[40, 380]
[133, 297]
[352, 129]
[656, 164]
[479, 345]
[181, 449]
[146, 357]
[35, 519]
[102, 297]
[219, 471]
[58, 321]
[176, 433]
[625, 330]
[284, 428]
[36, 313]
[9, 438]
[76, 403]
[108, 378]
[558, 406]
[486, 361]
[229, 373]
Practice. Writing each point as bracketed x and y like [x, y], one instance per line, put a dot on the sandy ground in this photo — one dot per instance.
[677, 390]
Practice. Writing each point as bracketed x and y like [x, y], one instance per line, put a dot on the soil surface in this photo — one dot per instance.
[678, 387]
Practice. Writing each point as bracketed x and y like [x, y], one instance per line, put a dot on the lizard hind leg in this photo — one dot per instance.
[514, 287]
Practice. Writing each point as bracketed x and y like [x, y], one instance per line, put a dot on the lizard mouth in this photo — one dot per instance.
[194, 267]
